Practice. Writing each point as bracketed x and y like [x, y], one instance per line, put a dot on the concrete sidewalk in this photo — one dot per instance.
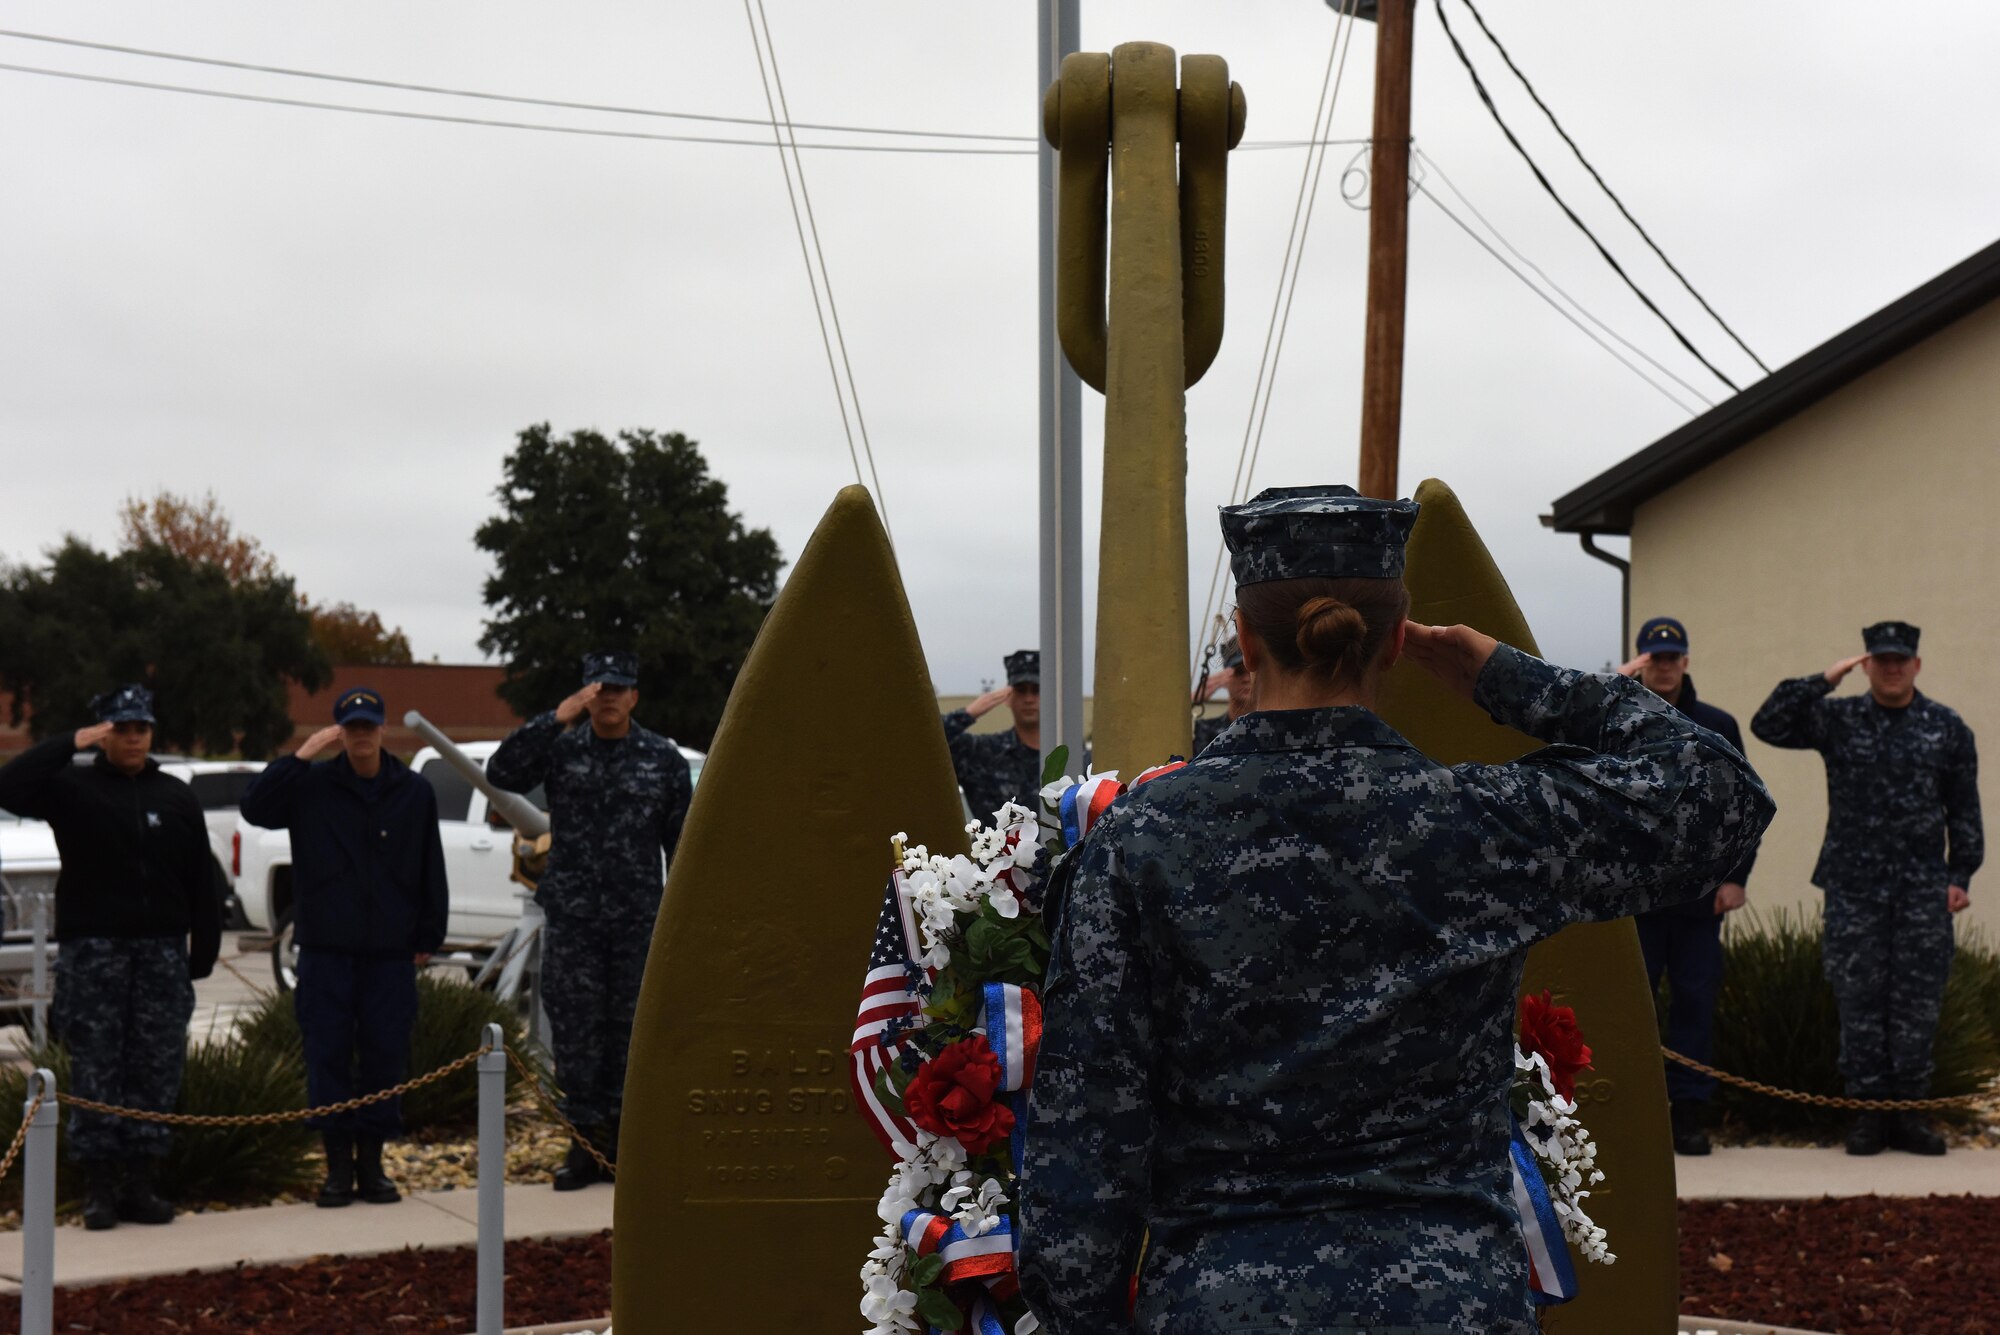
[1766, 1172]
[287, 1234]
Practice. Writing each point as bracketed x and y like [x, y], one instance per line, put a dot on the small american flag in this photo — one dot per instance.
[890, 1011]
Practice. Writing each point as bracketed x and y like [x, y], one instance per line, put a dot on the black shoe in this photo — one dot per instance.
[100, 1194]
[339, 1187]
[1689, 1137]
[1913, 1134]
[369, 1180]
[580, 1167]
[138, 1203]
[1865, 1136]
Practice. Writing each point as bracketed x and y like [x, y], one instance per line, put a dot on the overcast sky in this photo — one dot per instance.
[338, 322]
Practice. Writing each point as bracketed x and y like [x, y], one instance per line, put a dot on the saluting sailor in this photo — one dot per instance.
[1279, 1011]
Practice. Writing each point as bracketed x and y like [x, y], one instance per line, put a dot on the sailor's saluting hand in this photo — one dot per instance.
[1452, 654]
[318, 742]
[1843, 667]
[95, 733]
[570, 710]
[993, 699]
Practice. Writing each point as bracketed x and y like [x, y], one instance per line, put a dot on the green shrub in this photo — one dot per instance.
[1776, 1022]
[451, 1021]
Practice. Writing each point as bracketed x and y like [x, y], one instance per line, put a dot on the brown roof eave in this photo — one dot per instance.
[1606, 502]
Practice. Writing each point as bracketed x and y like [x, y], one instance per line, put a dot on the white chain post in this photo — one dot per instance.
[492, 1274]
[38, 1209]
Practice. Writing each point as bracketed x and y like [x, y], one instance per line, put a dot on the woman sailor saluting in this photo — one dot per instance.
[1280, 1006]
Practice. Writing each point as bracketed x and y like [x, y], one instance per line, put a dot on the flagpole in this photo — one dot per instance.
[1061, 453]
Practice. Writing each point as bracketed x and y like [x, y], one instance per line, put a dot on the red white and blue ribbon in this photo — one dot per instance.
[1012, 1019]
[1082, 804]
[1551, 1276]
[985, 1257]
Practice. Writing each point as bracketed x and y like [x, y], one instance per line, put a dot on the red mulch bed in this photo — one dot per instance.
[1867, 1265]
[398, 1293]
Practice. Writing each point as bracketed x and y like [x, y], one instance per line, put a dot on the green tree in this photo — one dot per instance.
[346, 634]
[628, 545]
[216, 652]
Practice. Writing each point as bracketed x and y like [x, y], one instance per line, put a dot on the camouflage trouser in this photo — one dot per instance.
[1887, 957]
[591, 969]
[122, 1009]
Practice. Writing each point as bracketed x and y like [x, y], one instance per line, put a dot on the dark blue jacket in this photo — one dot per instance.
[1723, 724]
[367, 864]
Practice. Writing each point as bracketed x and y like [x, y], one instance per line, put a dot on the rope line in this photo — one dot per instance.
[1479, 86]
[548, 1103]
[1828, 1100]
[825, 274]
[275, 1118]
[21, 1134]
[1267, 372]
[1608, 192]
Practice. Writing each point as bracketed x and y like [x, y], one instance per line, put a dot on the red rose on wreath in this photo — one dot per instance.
[1551, 1030]
[953, 1095]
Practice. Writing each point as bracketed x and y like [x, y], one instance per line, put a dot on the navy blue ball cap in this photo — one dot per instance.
[361, 704]
[1891, 637]
[1325, 532]
[131, 703]
[1024, 667]
[612, 669]
[1663, 635]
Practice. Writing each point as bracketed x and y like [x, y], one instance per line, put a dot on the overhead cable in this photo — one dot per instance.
[1609, 193]
[796, 166]
[609, 108]
[1479, 85]
[1553, 285]
[1281, 303]
[1487, 246]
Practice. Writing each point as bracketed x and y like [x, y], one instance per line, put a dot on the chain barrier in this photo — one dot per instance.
[1830, 1100]
[549, 1107]
[275, 1118]
[20, 1136]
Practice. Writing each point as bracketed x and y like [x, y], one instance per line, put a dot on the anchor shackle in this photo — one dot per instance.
[1123, 113]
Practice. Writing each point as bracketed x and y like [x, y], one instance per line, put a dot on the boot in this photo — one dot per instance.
[1914, 1134]
[138, 1203]
[579, 1168]
[100, 1194]
[369, 1179]
[1865, 1136]
[339, 1188]
[1689, 1136]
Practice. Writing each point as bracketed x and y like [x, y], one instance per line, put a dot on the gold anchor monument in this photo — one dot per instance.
[746, 1182]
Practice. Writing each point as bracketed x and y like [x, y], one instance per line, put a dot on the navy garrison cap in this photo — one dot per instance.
[613, 669]
[1024, 667]
[1327, 532]
[363, 704]
[1891, 637]
[1663, 635]
[127, 704]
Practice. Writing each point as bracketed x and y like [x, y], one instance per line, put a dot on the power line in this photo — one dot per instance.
[1609, 193]
[1556, 287]
[610, 108]
[1487, 246]
[500, 125]
[1479, 85]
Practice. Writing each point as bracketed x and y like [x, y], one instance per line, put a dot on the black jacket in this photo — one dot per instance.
[367, 863]
[135, 857]
[1723, 724]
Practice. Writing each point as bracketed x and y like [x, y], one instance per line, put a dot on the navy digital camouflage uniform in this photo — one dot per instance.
[1279, 1013]
[616, 807]
[1902, 825]
[997, 767]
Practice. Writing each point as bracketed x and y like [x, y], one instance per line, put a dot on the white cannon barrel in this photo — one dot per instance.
[529, 821]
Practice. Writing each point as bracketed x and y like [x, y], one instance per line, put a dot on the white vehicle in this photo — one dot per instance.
[29, 864]
[478, 860]
[218, 785]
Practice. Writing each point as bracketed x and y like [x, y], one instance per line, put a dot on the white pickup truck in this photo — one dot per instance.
[29, 864]
[478, 861]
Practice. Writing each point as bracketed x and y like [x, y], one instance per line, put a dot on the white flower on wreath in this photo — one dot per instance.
[891, 1307]
[1566, 1153]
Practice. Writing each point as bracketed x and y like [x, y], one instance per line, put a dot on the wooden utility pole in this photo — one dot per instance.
[1388, 249]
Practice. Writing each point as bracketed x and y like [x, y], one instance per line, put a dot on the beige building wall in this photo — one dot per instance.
[1882, 501]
